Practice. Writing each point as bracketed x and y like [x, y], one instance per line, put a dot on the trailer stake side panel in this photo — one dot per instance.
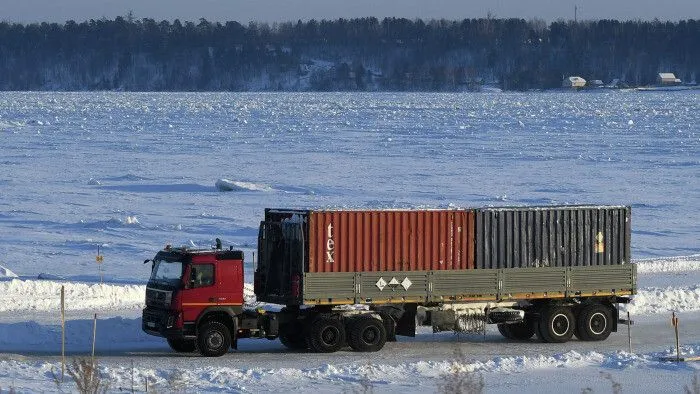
[392, 287]
[549, 282]
[468, 285]
[330, 288]
[464, 285]
[595, 280]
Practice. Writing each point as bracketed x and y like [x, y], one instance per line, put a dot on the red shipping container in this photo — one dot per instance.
[390, 240]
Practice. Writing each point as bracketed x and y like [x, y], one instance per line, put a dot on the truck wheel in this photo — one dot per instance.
[522, 331]
[556, 324]
[214, 339]
[594, 323]
[292, 336]
[366, 334]
[504, 329]
[183, 345]
[325, 334]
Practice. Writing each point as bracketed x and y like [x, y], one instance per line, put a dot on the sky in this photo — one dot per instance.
[29, 11]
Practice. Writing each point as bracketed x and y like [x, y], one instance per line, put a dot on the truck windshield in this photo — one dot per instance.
[167, 271]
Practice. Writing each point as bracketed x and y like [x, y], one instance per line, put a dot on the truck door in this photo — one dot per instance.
[200, 289]
[229, 282]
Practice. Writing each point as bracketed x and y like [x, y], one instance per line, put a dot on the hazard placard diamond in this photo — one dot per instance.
[381, 284]
[406, 283]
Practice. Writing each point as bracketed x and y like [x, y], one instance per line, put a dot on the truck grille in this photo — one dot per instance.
[161, 298]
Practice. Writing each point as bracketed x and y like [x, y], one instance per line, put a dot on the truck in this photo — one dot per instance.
[341, 278]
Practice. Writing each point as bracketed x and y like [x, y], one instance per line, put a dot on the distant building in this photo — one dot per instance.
[668, 79]
[573, 82]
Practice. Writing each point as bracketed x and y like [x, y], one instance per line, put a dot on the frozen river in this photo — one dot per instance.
[133, 171]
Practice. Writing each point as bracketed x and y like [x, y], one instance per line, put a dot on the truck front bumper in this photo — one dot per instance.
[161, 323]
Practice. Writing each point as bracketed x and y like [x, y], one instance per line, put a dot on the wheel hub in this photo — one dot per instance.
[370, 335]
[560, 324]
[215, 340]
[598, 323]
[329, 336]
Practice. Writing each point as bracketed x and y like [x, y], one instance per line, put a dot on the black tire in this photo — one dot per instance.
[522, 331]
[366, 334]
[183, 345]
[556, 324]
[517, 331]
[292, 336]
[325, 334]
[504, 329]
[214, 339]
[594, 323]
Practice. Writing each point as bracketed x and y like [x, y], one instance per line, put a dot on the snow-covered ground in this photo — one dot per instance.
[131, 172]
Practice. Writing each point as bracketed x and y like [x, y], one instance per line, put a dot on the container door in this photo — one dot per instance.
[281, 251]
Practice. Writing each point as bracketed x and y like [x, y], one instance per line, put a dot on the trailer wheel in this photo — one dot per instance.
[594, 323]
[522, 331]
[325, 334]
[556, 324]
[214, 339]
[366, 334]
[517, 331]
[183, 345]
[292, 336]
[505, 330]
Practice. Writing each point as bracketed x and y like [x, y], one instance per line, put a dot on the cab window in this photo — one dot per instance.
[201, 275]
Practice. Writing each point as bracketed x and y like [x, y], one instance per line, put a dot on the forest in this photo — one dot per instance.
[364, 54]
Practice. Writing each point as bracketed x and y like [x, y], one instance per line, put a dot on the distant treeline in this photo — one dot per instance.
[356, 54]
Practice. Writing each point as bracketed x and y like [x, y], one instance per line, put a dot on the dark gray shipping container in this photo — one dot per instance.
[567, 236]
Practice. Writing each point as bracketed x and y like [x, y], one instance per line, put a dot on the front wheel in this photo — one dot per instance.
[183, 345]
[214, 339]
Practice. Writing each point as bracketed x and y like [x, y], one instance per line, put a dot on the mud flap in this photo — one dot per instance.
[406, 325]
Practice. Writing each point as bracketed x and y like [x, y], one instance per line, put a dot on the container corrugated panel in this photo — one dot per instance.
[390, 240]
[565, 236]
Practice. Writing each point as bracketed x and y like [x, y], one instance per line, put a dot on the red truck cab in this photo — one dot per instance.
[195, 292]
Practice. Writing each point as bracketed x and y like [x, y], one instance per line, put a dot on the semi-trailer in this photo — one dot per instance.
[358, 278]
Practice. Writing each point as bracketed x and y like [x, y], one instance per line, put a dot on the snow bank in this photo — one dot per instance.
[670, 264]
[661, 300]
[44, 295]
[6, 273]
[226, 185]
[40, 295]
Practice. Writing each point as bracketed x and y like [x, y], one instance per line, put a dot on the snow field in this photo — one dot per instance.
[502, 374]
[136, 171]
